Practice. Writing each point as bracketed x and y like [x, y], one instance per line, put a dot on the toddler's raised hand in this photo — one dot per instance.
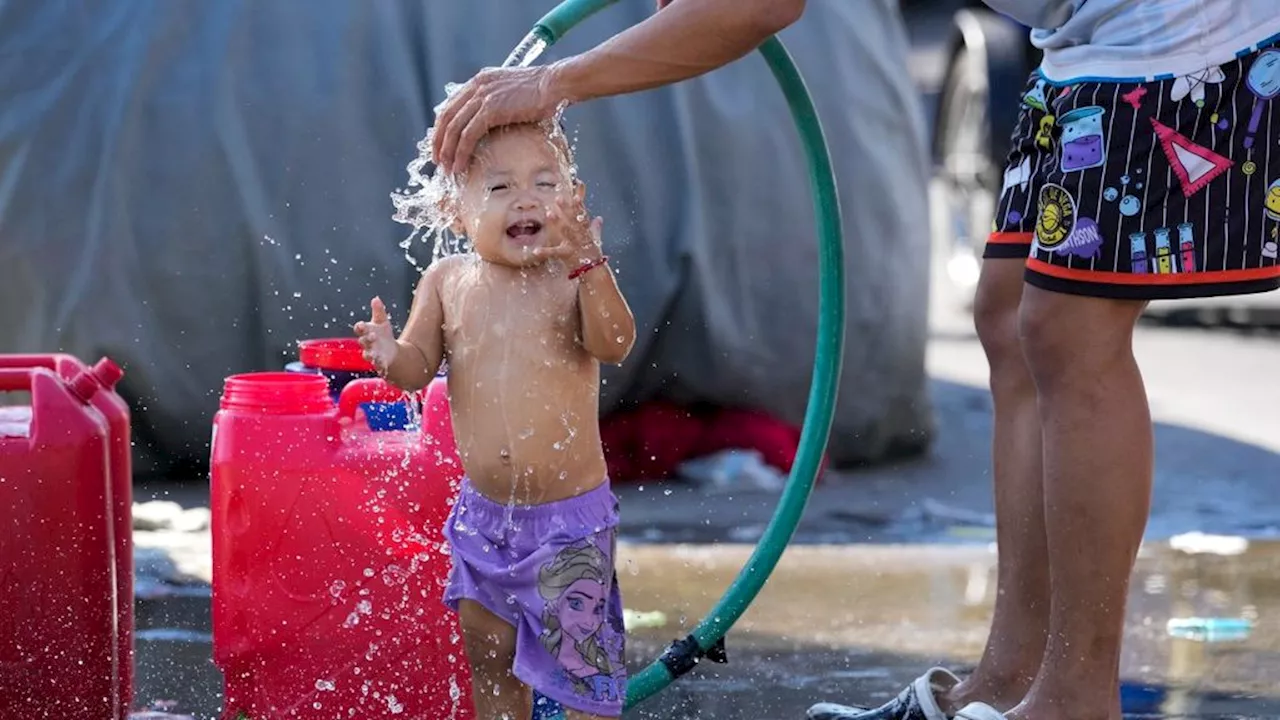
[377, 338]
[579, 239]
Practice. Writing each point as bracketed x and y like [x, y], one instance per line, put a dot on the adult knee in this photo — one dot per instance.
[1068, 339]
[996, 321]
[995, 316]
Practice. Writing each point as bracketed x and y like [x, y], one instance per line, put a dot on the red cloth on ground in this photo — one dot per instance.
[652, 440]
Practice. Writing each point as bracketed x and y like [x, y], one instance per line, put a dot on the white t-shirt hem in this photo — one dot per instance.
[1073, 65]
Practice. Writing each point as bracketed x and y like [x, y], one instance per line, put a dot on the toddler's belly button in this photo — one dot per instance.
[505, 455]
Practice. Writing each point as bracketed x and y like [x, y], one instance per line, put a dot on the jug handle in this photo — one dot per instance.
[366, 390]
[24, 380]
[17, 379]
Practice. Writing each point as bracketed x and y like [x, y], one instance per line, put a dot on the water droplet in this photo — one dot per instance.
[324, 685]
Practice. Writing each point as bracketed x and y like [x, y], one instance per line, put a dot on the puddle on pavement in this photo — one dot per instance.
[855, 622]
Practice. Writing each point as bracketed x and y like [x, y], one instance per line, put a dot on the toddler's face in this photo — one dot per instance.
[513, 182]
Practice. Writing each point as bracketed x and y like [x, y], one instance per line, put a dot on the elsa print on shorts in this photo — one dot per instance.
[576, 586]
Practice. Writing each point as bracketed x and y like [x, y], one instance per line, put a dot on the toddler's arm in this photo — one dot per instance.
[608, 327]
[422, 340]
[410, 362]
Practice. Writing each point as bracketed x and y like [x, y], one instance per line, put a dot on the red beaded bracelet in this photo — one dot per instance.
[584, 267]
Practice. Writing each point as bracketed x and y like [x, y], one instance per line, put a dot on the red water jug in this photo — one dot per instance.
[116, 411]
[328, 560]
[59, 649]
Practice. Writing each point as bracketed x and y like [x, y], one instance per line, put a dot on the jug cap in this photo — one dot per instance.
[107, 372]
[340, 354]
[276, 393]
[84, 385]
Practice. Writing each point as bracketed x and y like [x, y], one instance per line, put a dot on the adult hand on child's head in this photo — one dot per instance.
[494, 97]
[376, 337]
[579, 234]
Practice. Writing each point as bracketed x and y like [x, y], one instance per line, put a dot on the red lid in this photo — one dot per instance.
[343, 354]
[84, 386]
[108, 373]
[276, 393]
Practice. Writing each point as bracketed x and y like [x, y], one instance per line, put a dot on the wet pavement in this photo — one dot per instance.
[855, 622]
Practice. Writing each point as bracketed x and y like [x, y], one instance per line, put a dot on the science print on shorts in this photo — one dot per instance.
[1162, 189]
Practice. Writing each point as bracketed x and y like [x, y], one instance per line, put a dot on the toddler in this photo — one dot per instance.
[524, 321]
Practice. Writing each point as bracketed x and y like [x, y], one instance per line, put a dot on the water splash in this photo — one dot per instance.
[427, 204]
[428, 201]
[529, 49]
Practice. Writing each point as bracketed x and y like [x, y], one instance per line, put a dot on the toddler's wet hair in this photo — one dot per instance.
[430, 203]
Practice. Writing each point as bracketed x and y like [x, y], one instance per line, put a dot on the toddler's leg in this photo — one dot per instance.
[491, 650]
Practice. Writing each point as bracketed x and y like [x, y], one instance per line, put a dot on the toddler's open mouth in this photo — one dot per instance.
[524, 230]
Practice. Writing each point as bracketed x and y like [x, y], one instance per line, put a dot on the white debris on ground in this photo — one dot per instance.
[733, 470]
[637, 619]
[15, 421]
[172, 546]
[169, 515]
[1199, 543]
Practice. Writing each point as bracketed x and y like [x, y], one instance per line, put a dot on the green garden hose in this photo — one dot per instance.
[708, 636]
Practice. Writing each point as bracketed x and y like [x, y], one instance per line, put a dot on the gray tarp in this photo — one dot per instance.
[149, 147]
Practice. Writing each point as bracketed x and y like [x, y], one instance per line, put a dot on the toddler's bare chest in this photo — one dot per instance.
[530, 322]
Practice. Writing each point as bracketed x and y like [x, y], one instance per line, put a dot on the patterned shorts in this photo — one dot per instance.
[548, 570]
[1147, 190]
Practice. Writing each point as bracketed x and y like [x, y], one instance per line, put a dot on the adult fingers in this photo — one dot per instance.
[451, 135]
[446, 117]
[477, 126]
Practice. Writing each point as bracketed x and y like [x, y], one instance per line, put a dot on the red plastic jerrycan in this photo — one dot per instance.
[116, 411]
[328, 560]
[59, 651]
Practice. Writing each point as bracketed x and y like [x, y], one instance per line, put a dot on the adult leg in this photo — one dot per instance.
[1098, 475]
[491, 650]
[1020, 620]
[1019, 624]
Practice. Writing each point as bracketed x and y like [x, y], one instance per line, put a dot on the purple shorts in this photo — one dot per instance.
[548, 570]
